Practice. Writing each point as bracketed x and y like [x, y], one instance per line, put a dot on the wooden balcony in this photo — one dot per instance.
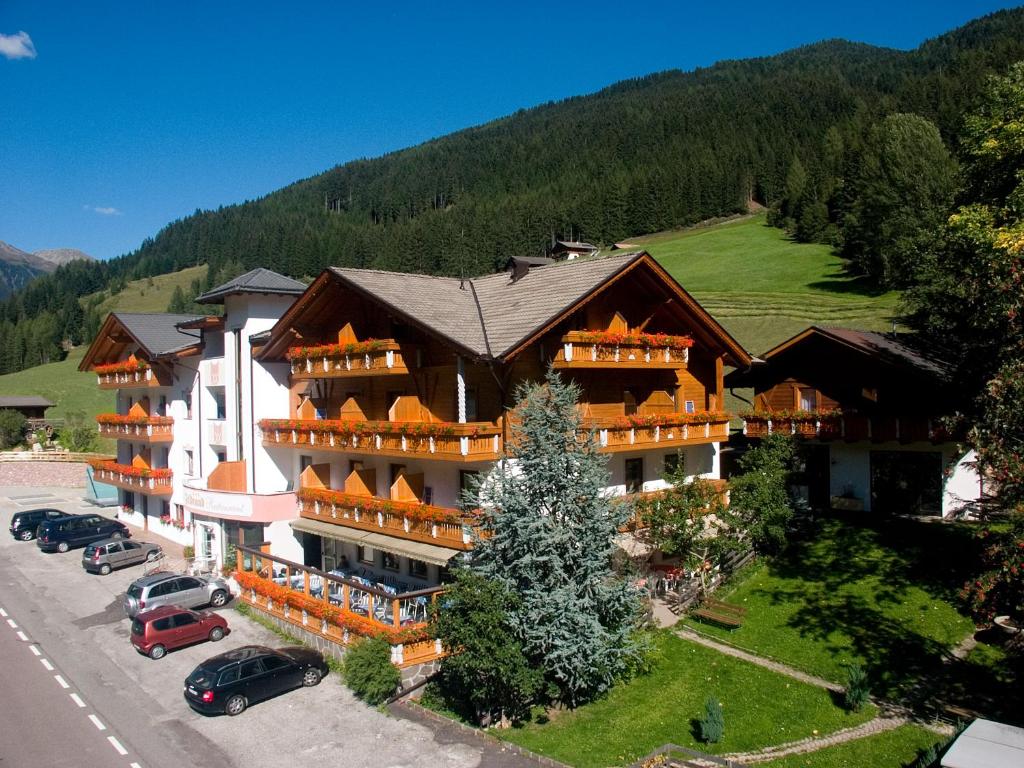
[849, 427]
[638, 433]
[149, 482]
[148, 429]
[139, 375]
[447, 441]
[581, 349]
[337, 609]
[441, 526]
[384, 357]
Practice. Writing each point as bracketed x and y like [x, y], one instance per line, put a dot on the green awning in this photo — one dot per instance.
[428, 553]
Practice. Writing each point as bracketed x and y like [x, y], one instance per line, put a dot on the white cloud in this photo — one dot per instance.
[19, 46]
[103, 210]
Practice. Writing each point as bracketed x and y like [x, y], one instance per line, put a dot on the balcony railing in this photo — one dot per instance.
[336, 608]
[120, 375]
[583, 349]
[151, 482]
[478, 441]
[149, 429]
[627, 433]
[406, 520]
[378, 357]
[851, 427]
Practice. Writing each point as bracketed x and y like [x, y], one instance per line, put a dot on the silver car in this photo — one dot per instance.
[175, 589]
[104, 556]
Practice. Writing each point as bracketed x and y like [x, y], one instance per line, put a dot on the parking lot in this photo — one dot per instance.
[80, 617]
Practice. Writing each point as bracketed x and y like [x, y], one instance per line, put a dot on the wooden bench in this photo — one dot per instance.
[723, 614]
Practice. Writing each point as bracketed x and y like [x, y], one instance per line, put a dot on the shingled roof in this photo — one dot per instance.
[157, 333]
[494, 316]
[258, 280]
[488, 315]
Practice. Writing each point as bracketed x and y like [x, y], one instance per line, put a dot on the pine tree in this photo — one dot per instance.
[550, 541]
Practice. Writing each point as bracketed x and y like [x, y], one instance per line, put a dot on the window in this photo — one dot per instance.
[184, 620]
[390, 561]
[162, 625]
[690, 407]
[112, 548]
[189, 463]
[130, 546]
[187, 582]
[629, 401]
[179, 514]
[305, 461]
[471, 410]
[220, 405]
[274, 663]
[165, 510]
[228, 676]
[808, 399]
[161, 408]
[164, 588]
[634, 475]
[246, 534]
[365, 555]
[249, 669]
[186, 395]
[428, 494]
[129, 500]
[418, 569]
[468, 479]
[222, 456]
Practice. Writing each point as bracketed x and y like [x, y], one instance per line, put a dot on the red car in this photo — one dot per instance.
[157, 631]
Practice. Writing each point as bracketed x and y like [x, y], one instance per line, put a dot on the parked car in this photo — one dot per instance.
[232, 681]
[158, 589]
[78, 530]
[104, 556]
[163, 629]
[24, 524]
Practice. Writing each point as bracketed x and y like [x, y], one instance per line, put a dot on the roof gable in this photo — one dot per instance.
[257, 280]
[156, 334]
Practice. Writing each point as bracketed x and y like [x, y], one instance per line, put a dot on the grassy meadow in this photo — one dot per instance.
[764, 287]
[150, 294]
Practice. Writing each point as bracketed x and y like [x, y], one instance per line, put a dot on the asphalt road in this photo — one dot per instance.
[75, 621]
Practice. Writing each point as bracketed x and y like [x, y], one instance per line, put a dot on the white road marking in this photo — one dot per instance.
[134, 765]
[117, 745]
[3, 613]
[78, 700]
[97, 723]
[22, 636]
[61, 681]
[35, 650]
[47, 665]
[11, 624]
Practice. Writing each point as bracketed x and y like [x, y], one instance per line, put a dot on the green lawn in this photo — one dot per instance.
[762, 286]
[891, 749]
[141, 296]
[761, 709]
[882, 596]
[62, 384]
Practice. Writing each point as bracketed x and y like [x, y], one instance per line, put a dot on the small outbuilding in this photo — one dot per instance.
[986, 744]
[30, 406]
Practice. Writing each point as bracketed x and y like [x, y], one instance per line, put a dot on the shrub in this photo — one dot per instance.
[77, 435]
[12, 428]
[368, 671]
[712, 724]
[928, 758]
[188, 551]
[857, 688]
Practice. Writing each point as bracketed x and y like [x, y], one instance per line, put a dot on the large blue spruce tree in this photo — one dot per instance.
[550, 530]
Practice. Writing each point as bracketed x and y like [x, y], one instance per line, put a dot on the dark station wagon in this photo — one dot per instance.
[24, 524]
[78, 530]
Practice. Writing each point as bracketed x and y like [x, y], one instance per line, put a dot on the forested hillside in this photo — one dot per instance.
[641, 156]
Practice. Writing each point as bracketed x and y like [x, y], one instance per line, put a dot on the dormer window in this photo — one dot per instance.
[808, 399]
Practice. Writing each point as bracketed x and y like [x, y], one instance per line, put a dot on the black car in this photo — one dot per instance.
[232, 681]
[77, 531]
[24, 524]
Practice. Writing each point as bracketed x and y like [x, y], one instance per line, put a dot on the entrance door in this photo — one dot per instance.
[634, 475]
[207, 536]
[817, 475]
[906, 482]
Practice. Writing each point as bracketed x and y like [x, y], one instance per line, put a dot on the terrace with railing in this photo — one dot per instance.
[338, 605]
[148, 429]
[628, 433]
[373, 357]
[475, 441]
[841, 425]
[139, 479]
[410, 520]
[128, 373]
[593, 349]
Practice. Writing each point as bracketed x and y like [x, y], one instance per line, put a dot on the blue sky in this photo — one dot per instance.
[132, 114]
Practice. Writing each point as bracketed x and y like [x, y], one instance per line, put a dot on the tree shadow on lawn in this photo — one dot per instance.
[822, 575]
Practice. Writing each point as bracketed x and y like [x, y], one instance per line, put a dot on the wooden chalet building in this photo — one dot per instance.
[868, 407]
[401, 385]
